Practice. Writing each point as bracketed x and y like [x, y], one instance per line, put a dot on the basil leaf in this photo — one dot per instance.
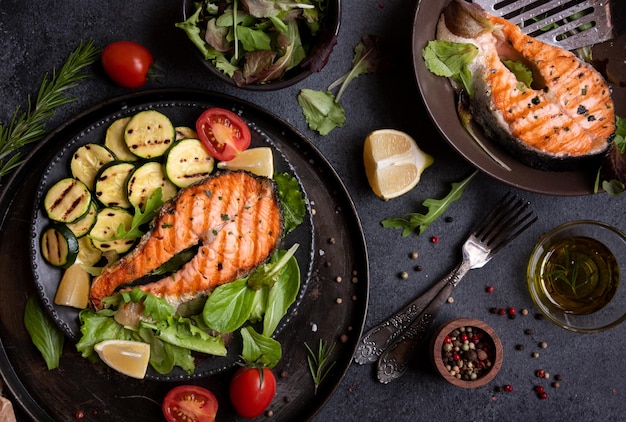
[46, 336]
[229, 306]
[281, 295]
[291, 200]
[260, 349]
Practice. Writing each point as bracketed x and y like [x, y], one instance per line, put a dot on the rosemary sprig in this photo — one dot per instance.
[27, 127]
[569, 272]
[318, 362]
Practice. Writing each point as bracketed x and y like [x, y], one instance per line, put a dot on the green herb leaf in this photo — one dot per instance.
[417, 223]
[140, 218]
[451, 60]
[183, 333]
[282, 294]
[269, 273]
[229, 306]
[28, 127]
[291, 199]
[522, 72]
[321, 110]
[260, 350]
[46, 336]
[318, 362]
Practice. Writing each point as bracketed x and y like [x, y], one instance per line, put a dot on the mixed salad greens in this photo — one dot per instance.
[255, 41]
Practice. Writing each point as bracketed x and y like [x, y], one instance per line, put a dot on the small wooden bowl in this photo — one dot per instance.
[490, 343]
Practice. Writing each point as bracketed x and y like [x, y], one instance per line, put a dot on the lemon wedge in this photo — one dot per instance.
[128, 357]
[259, 161]
[393, 162]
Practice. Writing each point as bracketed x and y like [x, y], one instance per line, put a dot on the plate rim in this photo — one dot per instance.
[10, 191]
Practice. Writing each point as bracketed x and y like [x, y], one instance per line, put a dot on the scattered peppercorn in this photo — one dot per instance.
[332, 241]
[450, 299]
[413, 255]
[540, 373]
[493, 310]
[418, 268]
[339, 300]
[434, 239]
[269, 413]
[556, 384]
[489, 289]
[508, 388]
[524, 311]
[539, 389]
[501, 311]
[543, 344]
[539, 317]
[286, 399]
[535, 355]
[529, 332]
[404, 275]
[511, 310]
[338, 279]
[449, 219]
[520, 347]
[558, 377]
[543, 395]
[79, 414]
[343, 338]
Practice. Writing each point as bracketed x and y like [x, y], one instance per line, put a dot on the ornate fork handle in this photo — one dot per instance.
[400, 326]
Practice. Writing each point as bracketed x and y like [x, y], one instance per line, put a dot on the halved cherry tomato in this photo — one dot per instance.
[189, 403]
[223, 133]
[250, 392]
[127, 63]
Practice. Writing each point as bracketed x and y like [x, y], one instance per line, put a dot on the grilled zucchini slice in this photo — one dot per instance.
[88, 160]
[187, 162]
[145, 180]
[82, 226]
[104, 231]
[110, 187]
[67, 200]
[183, 132]
[59, 246]
[149, 134]
[88, 254]
[114, 140]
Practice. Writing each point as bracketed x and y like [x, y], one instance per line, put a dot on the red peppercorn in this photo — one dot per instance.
[511, 310]
[508, 388]
[456, 356]
[489, 289]
[501, 311]
[79, 414]
[434, 239]
[539, 389]
[447, 340]
[464, 337]
[475, 339]
[543, 395]
[540, 373]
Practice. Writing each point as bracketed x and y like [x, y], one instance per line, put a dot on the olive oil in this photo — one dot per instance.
[579, 275]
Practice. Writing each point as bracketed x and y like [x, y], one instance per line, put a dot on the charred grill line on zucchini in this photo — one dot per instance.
[104, 231]
[67, 200]
[87, 161]
[114, 140]
[187, 162]
[145, 180]
[59, 246]
[110, 187]
[149, 134]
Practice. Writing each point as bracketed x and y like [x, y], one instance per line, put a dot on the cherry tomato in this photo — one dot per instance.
[250, 393]
[189, 403]
[127, 63]
[223, 133]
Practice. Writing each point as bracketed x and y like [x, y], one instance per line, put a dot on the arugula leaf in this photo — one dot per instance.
[451, 60]
[322, 109]
[140, 218]
[291, 199]
[46, 336]
[259, 349]
[417, 223]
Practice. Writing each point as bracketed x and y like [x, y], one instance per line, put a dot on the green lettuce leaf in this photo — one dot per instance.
[321, 111]
[45, 335]
[451, 60]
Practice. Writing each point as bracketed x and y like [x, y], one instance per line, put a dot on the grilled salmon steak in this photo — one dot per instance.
[235, 218]
[565, 118]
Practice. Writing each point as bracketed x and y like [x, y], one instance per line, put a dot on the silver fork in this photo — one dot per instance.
[392, 342]
[569, 24]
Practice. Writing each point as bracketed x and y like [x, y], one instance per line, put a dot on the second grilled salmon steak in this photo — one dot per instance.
[562, 120]
[234, 217]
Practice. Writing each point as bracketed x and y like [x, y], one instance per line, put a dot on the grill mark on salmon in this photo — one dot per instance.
[564, 120]
[236, 219]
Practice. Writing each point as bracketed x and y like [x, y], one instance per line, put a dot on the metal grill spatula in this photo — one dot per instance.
[569, 24]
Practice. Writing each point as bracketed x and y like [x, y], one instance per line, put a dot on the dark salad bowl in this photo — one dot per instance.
[318, 47]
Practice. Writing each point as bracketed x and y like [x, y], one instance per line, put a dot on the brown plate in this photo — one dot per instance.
[440, 100]
[99, 392]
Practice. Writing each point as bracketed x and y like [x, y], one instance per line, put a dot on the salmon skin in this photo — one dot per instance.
[563, 121]
[234, 218]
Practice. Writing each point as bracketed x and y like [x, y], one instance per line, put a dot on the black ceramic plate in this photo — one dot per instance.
[98, 391]
[440, 101]
[181, 113]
